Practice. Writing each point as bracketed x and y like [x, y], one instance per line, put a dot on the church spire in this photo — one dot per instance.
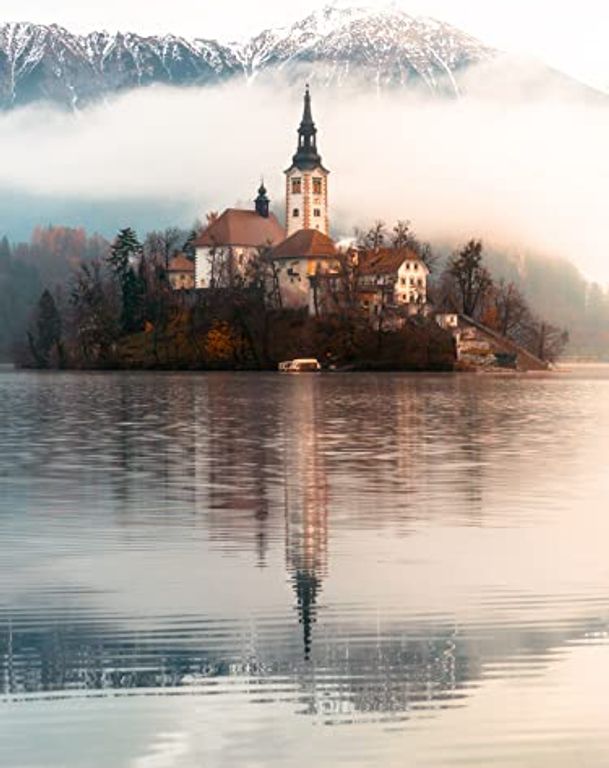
[262, 201]
[307, 156]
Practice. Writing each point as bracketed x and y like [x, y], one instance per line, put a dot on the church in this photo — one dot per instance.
[299, 250]
[302, 253]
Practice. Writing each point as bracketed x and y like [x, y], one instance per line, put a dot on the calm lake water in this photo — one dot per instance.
[264, 570]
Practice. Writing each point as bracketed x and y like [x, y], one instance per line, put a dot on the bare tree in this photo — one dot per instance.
[402, 235]
[510, 308]
[373, 238]
[471, 281]
[405, 237]
[162, 246]
[95, 313]
[545, 340]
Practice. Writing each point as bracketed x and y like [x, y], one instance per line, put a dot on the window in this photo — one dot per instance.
[296, 186]
[402, 281]
[416, 266]
[316, 212]
[408, 265]
[296, 213]
[317, 185]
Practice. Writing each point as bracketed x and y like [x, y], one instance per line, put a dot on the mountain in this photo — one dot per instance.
[387, 48]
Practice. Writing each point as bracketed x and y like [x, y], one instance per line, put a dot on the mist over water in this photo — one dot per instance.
[522, 165]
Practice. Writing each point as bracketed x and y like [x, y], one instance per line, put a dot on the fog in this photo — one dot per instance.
[526, 174]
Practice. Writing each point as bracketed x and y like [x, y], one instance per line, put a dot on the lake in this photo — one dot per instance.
[333, 570]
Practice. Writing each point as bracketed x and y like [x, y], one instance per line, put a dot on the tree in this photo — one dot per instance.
[511, 309]
[188, 247]
[374, 238]
[545, 340]
[5, 255]
[470, 279]
[47, 335]
[404, 237]
[125, 251]
[125, 254]
[163, 245]
[95, 312]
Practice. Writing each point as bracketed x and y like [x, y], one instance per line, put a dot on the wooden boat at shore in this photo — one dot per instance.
[300, 365]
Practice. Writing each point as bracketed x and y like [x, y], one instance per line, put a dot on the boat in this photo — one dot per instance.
[300, 365]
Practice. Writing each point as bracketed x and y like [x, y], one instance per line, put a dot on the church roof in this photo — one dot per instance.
[307, 157]
[306, 243]
[385, 261]
[242, 227]
[180, 263]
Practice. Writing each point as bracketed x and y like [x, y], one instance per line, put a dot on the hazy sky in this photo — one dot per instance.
[568, 34]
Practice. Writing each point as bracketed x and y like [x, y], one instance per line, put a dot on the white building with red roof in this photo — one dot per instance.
[299, 261]
[224, 249]
[230, 241]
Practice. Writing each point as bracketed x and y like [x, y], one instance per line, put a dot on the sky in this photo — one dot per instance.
[566, 34]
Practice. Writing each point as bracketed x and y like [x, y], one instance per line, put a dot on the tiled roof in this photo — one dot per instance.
[180, 263]
[241, 227]
[385, 261]
[306, 243]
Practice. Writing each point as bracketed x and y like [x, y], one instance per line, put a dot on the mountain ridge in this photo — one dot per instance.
[49, 63]
[330, 46]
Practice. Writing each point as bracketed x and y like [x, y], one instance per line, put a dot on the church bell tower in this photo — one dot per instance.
[307, 180]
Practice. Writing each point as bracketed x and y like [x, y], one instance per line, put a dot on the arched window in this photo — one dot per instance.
[296, 213]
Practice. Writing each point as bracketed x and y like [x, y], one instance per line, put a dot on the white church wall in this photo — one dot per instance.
[294, 283]
[311, 199]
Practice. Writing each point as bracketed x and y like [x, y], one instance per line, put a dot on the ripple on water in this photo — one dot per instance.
[418, 560]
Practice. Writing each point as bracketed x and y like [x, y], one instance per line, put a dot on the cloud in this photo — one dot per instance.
[529, 175]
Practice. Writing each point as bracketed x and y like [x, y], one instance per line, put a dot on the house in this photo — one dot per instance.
[181, 273]
[225, 248]
[298, 261]
[391, 277]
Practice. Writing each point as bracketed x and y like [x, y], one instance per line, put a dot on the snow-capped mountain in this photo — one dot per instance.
[331, 45]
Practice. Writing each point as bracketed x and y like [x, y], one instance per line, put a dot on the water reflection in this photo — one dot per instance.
[364, 547]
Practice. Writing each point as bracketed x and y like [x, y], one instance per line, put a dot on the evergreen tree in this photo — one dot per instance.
[126, 250]
[132, 294]
[5, 255]
[188, 248]
[48, 331]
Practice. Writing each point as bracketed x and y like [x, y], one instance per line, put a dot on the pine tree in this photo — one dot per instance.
[5, 255]
[48, 331]
[126, 249]
[132, 291]
[188, 248]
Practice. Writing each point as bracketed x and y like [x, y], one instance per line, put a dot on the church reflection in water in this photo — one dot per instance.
[306, 505]
[259, 492]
